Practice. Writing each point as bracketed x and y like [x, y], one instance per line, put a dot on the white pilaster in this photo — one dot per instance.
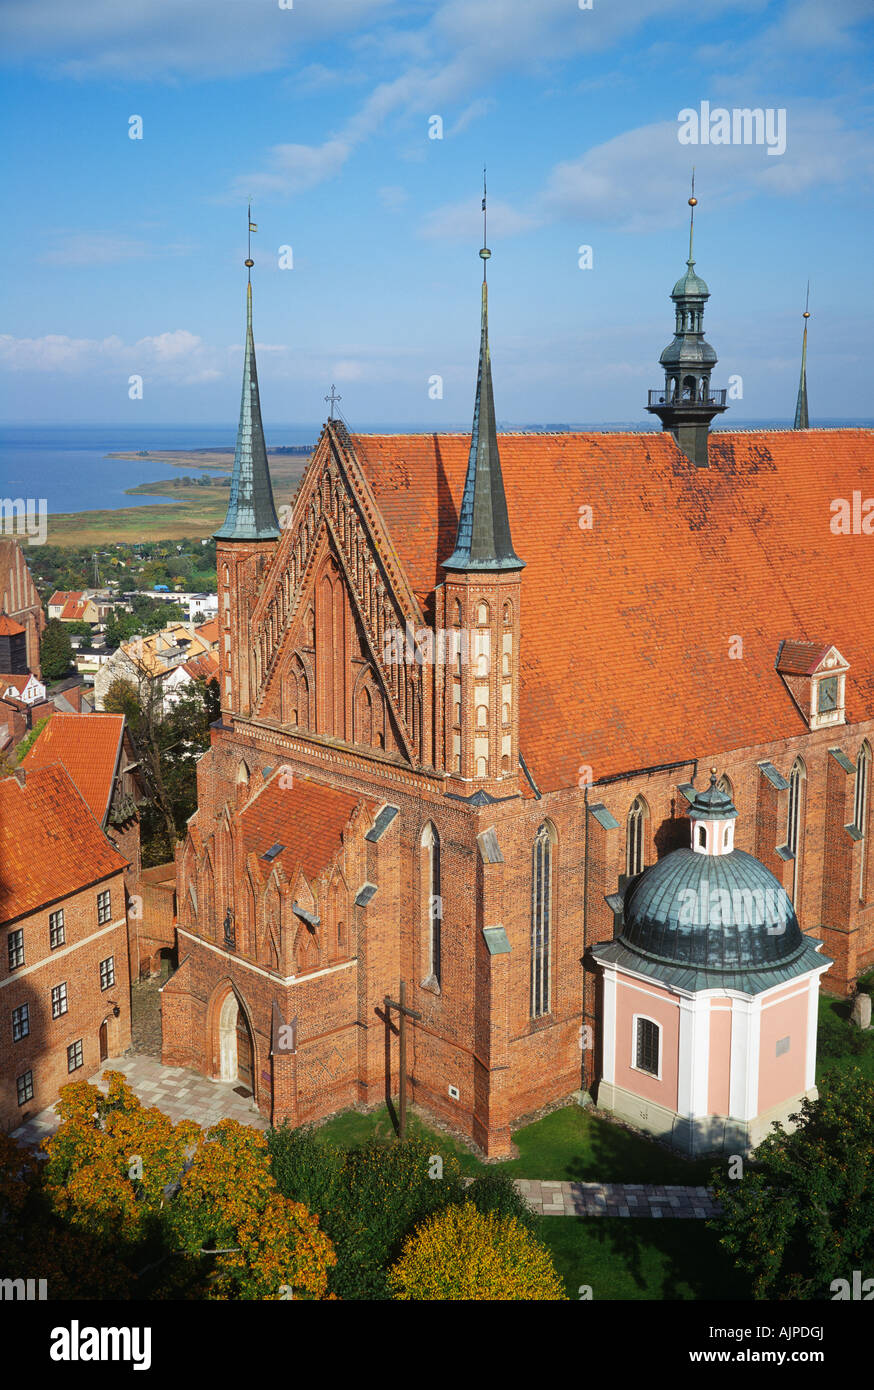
[608, 1033]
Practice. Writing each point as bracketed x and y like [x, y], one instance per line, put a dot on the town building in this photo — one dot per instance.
[98, 754]
[64, 976]
[19, 599]
[468, 696]
[152, 659]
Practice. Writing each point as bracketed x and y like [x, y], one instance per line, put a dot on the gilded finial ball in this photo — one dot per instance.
[485, 253]
[806, 314]
[249, 263]
[713, 772]
[693, 202]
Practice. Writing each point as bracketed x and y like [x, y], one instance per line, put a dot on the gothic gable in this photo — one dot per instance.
[323, 655]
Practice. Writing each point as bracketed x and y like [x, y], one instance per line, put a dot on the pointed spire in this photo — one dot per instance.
[801, 416]
[251, 510]
[483, 540]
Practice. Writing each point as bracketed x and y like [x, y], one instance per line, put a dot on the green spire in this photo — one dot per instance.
[483, 540]
[801, 417]
[251, 510]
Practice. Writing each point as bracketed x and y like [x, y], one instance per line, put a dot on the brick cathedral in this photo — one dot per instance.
[470, 692]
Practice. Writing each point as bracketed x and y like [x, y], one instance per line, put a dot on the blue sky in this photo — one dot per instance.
[126, 255]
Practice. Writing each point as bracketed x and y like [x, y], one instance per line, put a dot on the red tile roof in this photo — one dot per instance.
[208, 632]
[50, 844]
[9, 627]
[88, 746]
[801, 658]
[74, 611]
[62, 596]
[628, 627]
[205, 667]
[307, 818]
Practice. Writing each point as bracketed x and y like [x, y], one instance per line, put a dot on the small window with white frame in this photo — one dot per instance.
[647, 1046]
[57, 931]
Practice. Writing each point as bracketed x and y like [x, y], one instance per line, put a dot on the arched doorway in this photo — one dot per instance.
[103, 1040]
[236, 1049]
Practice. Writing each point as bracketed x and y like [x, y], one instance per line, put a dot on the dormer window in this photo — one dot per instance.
[815, 675]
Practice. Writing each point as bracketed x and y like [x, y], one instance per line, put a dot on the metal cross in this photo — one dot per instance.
[333, 398]
[405, 1013]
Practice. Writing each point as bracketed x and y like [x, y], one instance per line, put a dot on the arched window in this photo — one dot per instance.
[541, 919]
[793, 822]
[860, 809]
[505, 712]
[482, 716]
[482, 767]
[508, 614]
[724, 785]
[433, 901]
[634, 837]
[482, 613]
[702, 837]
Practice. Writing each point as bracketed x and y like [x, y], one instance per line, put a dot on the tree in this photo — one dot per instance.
[199, 1206]
[55, 651]
[461, 1254]
[802, 1215]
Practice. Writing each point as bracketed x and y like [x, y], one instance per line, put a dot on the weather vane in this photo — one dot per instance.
[693, 203]
[253, 227]
[485, 252]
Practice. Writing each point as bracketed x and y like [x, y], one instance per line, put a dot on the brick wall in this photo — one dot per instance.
[76, 963]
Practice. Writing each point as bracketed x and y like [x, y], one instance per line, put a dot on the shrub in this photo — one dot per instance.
[496, 1193]
[368, 1199]
[462, 1254]
[803, 1214]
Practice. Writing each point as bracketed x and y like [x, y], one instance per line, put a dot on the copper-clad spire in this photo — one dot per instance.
[251, 510]
[483, 540]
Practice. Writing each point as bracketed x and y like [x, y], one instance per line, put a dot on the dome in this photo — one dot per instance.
[724, 912]
[690, 284]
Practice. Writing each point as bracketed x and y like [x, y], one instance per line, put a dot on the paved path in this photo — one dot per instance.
[179, 1093]
[186, 1095]
[616, 1199]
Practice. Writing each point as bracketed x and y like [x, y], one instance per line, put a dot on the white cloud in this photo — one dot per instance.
[295, 168]
[103, 248]
[179, 355]
[462, 221]
[174, 38]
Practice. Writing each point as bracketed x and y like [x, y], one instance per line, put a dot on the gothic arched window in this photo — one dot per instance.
[634, 837]
[541, 919]
[433, 901]
[793, 822]
[860, 809]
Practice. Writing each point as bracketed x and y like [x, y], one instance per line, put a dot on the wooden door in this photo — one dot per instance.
[245, 1059]
[104, 1048]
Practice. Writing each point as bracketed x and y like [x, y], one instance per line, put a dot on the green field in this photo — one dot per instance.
[195, 512]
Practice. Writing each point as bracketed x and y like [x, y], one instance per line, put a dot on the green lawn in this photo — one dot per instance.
[840, 1044]
[641, 1258]
[569, 1145]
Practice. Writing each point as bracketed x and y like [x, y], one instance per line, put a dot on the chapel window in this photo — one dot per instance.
[541, 920]
[634, 837]
[646, 1046]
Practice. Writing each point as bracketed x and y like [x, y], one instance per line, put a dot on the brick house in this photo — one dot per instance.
[19, 599]
[98, 754]
[64, 975]
[469, 689]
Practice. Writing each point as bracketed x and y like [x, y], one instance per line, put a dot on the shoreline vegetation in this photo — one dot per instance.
[198, 502]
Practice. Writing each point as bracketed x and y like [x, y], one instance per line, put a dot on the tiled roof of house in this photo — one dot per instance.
[50, 844]
[208, 632]
[160, 652]
[74, 610]
[205, 667]
[18, 683]
[62, 596]
[628, 627]
[88, 745]
[306, 818]
[9, 627]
